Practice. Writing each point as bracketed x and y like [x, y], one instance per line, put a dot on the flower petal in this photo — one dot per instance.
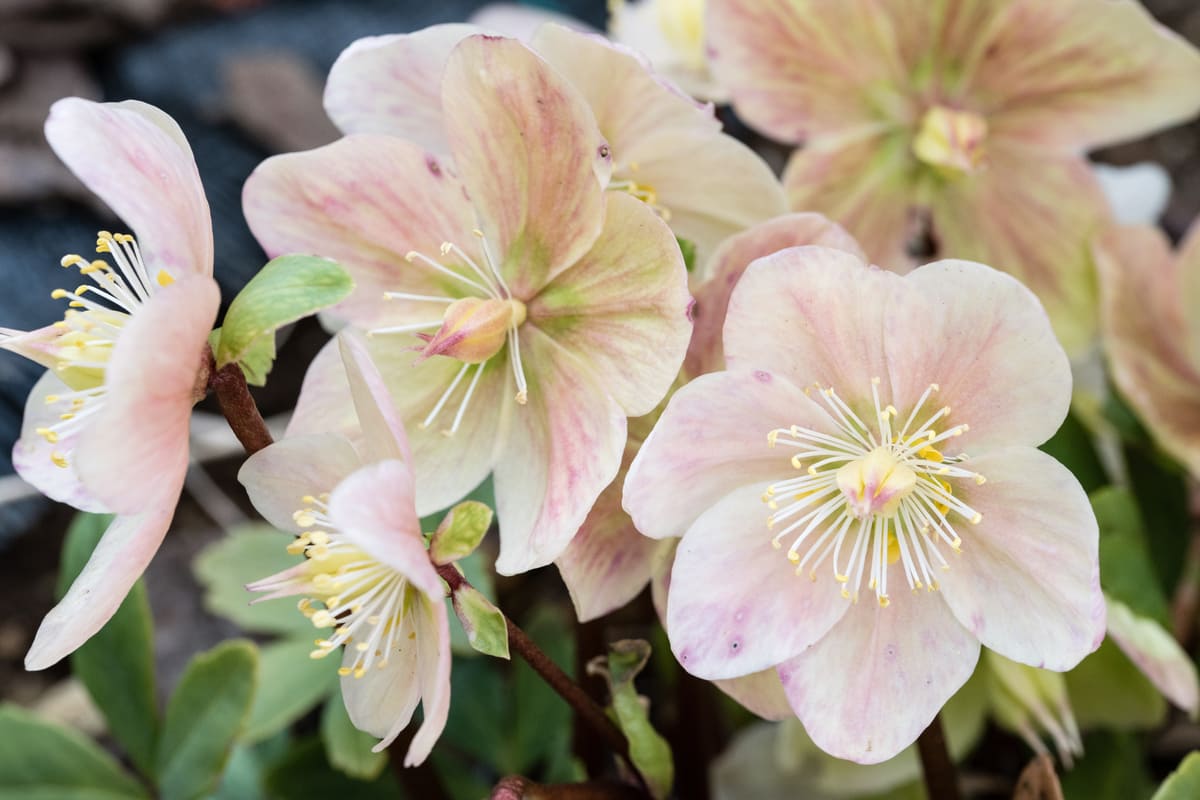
[118, 561]
[562, 448]
[134, 157]
[759, 692]
[531, 156]
[383, 435]
[868, 689]
[1028, 580]
[864, 185]
[278, 477]
[622, 309]
[392, 85]
[1143, 308]
[383, 700]
[1156, 654]
[130, 452]
[1077, 74]
[712, 439]
[735, 605]
[433, 671]
[1011, 216]
[725, 268]
[812, 314]
[32, 455]
[986, 341]
[367, 201]
[373, 508]
[325, 403]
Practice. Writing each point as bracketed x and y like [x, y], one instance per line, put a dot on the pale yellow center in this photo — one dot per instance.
[951, 141]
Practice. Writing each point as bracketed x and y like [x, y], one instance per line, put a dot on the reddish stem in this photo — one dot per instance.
[941, 776]
[516, 787]
[239, 408]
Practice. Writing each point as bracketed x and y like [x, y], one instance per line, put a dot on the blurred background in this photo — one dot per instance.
[244, 79]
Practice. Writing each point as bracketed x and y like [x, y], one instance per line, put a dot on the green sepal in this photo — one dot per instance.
[460, 532]
[485, 626]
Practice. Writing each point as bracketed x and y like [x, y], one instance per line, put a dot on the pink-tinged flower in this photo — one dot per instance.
[958, 125]
[671, 34]
[590, 285]
[1151, 334]
[366, 577]
[106, 428]
[666, 150]
[860, 496]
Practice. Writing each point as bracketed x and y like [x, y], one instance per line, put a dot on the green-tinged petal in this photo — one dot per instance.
[367, 201]
[530, 154]
[1032, 216]
[1077, 74]
[1143, 295]
[621, 310]
[1156, 653]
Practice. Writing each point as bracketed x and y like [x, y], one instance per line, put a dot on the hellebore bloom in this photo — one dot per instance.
[589, 289]
[957, 126]
[834, 526]
[366, 576]
[1149, 298]
[671, 34]
[106, 428]
[666, 150]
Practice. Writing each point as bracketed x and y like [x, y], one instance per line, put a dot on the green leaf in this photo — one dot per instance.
[209, 708]
[1126, 572]
[1111, 769]
[247, 554]
[1072, 446]
[347, 748]
[256, 362]
[117, 664]
[688, 248]
[648, 750]
[1184, 782]
[486, 628]
[288, 288]
[1108, 690]
[40, 761]
[292, 685]
[460, 532]
[304, 772]
[1162, 496]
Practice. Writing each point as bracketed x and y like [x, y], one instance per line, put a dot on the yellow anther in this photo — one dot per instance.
[51, 399]
[980, 480]
[361, 647]
[797, 462]
[411, 256]
[163, 278]
[446, 248]
[47, 434]
[884, 601]
[319, 537]
[841, 578]
[845, 593]
[59, 460]
[322, 619]
[978, 518]
[71, 260]
[359, 672]
[793, 556]
[59, 294]
[931, 454]
[771, 437]
[344, 671]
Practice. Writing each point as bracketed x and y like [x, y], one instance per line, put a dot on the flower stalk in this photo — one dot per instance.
[937, 769]
[239, 408]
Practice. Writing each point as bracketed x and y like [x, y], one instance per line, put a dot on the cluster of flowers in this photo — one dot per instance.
[832, 478]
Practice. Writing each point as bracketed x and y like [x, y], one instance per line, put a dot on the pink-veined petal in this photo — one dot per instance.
[367, 201]
[562, 448]
[736, 605]
[118, 561]
[530, 154]
[1144, 315]
[134, 157]
[865, 185]
[1079, 74]
[383, 435]
[373, 509]
[279, 477]
[383, 700]
[874, 682]
[1011, 216]
[812, 315]
[722, 272]
[129, 454]
[759, 692]
[392, 85]
[1028, 580]
[325, 403]
[433, 672]
[32, 455]
[622, 309]
[711, 439]
[986, 341]
[1156, 653]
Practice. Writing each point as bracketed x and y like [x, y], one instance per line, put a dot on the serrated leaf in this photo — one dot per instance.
[288, 288]
[1126, 572]
[460, 532]
[304, 772]
[292, 685]
[1184, 782]
[40, 761]
[247, 554]
[648, 750]
[485, 625]
[347, 748]
[208, 710]
[117, 663]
